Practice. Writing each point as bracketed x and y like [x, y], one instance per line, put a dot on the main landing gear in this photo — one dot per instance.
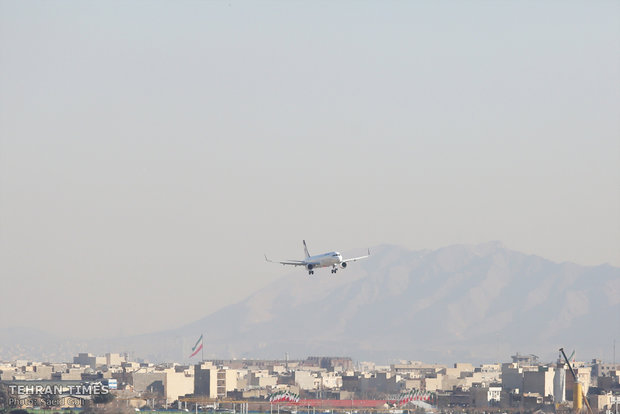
[310, 272]
[334, 269]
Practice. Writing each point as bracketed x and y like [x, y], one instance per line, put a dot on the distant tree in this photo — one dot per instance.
[19, 411]
[4, 399]
[88, 407]
[103, 398]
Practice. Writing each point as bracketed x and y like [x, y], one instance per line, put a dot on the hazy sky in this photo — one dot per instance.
[151, 152]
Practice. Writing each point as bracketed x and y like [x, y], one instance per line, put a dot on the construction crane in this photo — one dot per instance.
[578, 394]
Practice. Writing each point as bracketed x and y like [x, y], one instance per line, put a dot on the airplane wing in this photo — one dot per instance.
[353, 259]
[289, 262]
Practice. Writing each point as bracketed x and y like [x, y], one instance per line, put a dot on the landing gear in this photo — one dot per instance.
[310, 272]
[334, 269]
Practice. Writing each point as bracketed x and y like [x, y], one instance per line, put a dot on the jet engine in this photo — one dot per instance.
[310, 267]
[343, 264]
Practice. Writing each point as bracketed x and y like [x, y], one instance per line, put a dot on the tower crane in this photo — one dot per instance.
[578, 394]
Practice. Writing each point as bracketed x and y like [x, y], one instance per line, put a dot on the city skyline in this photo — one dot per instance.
[334, 382]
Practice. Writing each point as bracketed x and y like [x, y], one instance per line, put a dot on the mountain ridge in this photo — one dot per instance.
[460, 302]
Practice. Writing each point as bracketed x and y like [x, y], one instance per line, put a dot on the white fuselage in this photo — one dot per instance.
[324, 260]
[331, 259]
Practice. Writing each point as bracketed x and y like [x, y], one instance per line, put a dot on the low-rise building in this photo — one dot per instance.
[205, 380]
[486, 396]
[170, 383]
[539, 382]
[89, 360]
[262, 379]
[305, 380]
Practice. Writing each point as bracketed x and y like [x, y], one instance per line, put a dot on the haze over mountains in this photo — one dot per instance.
[459, 303]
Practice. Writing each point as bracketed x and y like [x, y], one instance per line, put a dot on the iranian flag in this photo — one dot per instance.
[276, 396]
[197, 347]
[283, 395]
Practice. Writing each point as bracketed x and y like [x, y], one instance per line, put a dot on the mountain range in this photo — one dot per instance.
[476, 303]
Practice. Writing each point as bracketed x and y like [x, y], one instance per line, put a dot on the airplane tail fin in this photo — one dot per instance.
[306, 249]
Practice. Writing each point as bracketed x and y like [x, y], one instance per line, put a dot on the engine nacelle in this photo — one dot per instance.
[310, 267]
[343, 264]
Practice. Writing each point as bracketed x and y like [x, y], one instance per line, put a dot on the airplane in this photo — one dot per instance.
[333, 259]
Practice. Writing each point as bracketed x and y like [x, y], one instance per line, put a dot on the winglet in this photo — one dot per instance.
[268, 259]
[306, 249]
[368, 252]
